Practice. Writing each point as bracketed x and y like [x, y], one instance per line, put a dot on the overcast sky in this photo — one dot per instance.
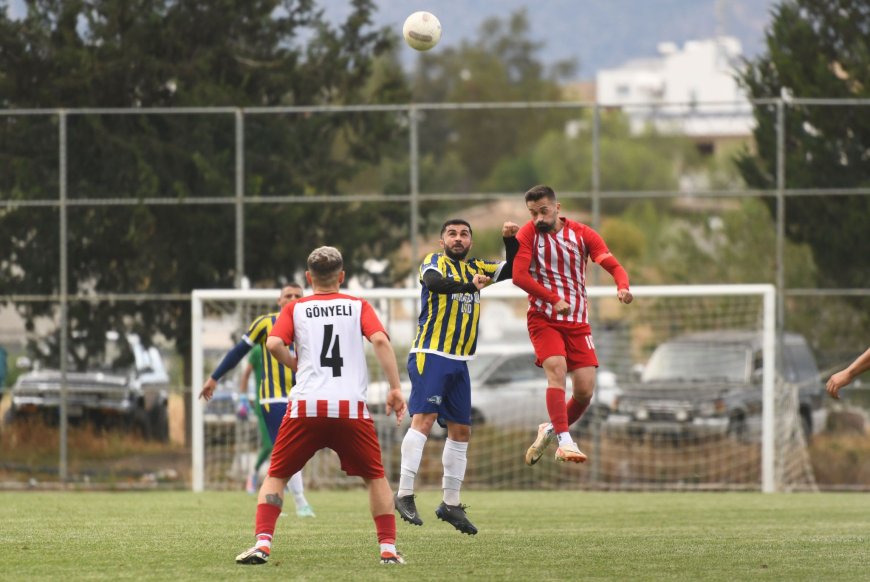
[596, 33]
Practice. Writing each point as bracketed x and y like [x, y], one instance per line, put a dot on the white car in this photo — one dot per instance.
[509, 391]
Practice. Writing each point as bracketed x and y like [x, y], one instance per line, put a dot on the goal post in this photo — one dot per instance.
[223, 446]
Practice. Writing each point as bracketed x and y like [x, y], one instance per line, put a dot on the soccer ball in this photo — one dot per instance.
[422, 31]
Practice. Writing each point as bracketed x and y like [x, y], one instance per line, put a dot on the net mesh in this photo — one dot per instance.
[660, 449]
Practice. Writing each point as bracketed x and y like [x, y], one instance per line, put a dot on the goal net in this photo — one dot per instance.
[687, 395]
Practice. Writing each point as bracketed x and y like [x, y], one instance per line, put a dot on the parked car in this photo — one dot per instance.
[229, 416]
[508, 390]
[709, 383]
[122, 384]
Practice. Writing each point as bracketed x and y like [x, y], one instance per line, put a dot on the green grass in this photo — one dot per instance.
[523, 536]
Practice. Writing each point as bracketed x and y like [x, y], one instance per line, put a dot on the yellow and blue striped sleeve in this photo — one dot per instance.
[488, 268]
[259, 329]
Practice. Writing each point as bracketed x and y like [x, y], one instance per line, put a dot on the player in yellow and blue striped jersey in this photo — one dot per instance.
[446, 339]
[274, 389]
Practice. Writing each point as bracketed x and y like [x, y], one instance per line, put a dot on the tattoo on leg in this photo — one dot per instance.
[274, 499]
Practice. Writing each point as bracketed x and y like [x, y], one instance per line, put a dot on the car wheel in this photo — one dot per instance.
[159, 423]
[737, 427]
[139, 424]
[807, 424]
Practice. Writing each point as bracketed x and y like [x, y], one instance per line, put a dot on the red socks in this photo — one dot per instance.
[557, 410]
[267, 517]
[386, 527]
[576, 409]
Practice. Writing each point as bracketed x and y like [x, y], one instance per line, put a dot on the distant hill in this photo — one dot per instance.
[597, 33]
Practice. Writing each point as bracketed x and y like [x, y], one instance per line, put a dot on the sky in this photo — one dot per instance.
[595, 33]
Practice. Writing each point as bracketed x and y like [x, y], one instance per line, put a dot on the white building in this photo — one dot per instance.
[692, 91]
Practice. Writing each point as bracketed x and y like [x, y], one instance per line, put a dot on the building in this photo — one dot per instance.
[692, 91]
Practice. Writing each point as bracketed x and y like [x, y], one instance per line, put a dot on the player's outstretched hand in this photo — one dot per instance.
[509, 229]
[208, 389]
[396, 402]
[562, 307]
[624, 296]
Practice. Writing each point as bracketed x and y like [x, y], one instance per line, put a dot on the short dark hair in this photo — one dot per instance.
[535, 193]
[453, 221]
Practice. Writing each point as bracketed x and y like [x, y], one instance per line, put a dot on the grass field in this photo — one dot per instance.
[523, 536]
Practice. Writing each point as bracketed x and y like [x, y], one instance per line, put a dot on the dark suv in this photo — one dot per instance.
[709, 383]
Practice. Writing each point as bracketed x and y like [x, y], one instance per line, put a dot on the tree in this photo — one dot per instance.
[817, 50]
[501, 64]
[161, 53]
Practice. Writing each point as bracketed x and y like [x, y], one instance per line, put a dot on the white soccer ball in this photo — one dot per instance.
[422, 31]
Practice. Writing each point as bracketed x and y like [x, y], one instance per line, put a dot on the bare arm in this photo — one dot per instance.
[387, 359]
[277, 348]
[845, 377]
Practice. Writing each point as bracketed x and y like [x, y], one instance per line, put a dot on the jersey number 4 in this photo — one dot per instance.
[330, 353]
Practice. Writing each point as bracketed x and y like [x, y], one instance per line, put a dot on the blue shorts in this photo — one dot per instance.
[273, 417]
[441, 385]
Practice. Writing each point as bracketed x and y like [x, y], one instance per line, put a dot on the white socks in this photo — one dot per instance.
[412, 453]
[455, 459]
[565, 438]
[297, 489]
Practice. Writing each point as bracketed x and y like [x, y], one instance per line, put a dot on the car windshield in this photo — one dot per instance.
[691, 362]
[108, 354]
[479, 365]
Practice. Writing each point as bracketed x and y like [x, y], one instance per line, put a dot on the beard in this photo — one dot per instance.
[544, 226]
[456, 255]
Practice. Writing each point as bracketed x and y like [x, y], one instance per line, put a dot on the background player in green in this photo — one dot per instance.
[274, 390]
[255, 365]
[437, 365]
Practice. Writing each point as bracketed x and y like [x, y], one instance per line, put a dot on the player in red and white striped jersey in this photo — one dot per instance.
[551, 267]
[328, 403]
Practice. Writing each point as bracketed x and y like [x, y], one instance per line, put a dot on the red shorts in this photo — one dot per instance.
[354, 439]
[561, 338]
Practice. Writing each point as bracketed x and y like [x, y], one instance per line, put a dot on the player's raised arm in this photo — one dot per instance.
[511, 246]
[522, 263]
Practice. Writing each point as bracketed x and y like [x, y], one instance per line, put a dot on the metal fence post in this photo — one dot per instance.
[64, 298]
[596, 225]
[414, 160]
[769, 459]
[240, 198]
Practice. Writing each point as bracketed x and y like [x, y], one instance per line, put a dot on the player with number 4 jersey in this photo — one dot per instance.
[328, 404]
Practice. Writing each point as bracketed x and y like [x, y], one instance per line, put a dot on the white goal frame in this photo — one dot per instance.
[765, 291]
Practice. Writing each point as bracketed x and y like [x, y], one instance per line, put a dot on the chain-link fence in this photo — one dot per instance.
[241, 184]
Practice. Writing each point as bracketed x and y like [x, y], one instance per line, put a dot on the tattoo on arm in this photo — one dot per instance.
[274, 499]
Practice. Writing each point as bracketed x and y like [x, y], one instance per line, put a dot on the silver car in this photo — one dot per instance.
[509, 391]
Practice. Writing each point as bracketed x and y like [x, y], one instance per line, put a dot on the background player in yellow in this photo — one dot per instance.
[274, 389]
